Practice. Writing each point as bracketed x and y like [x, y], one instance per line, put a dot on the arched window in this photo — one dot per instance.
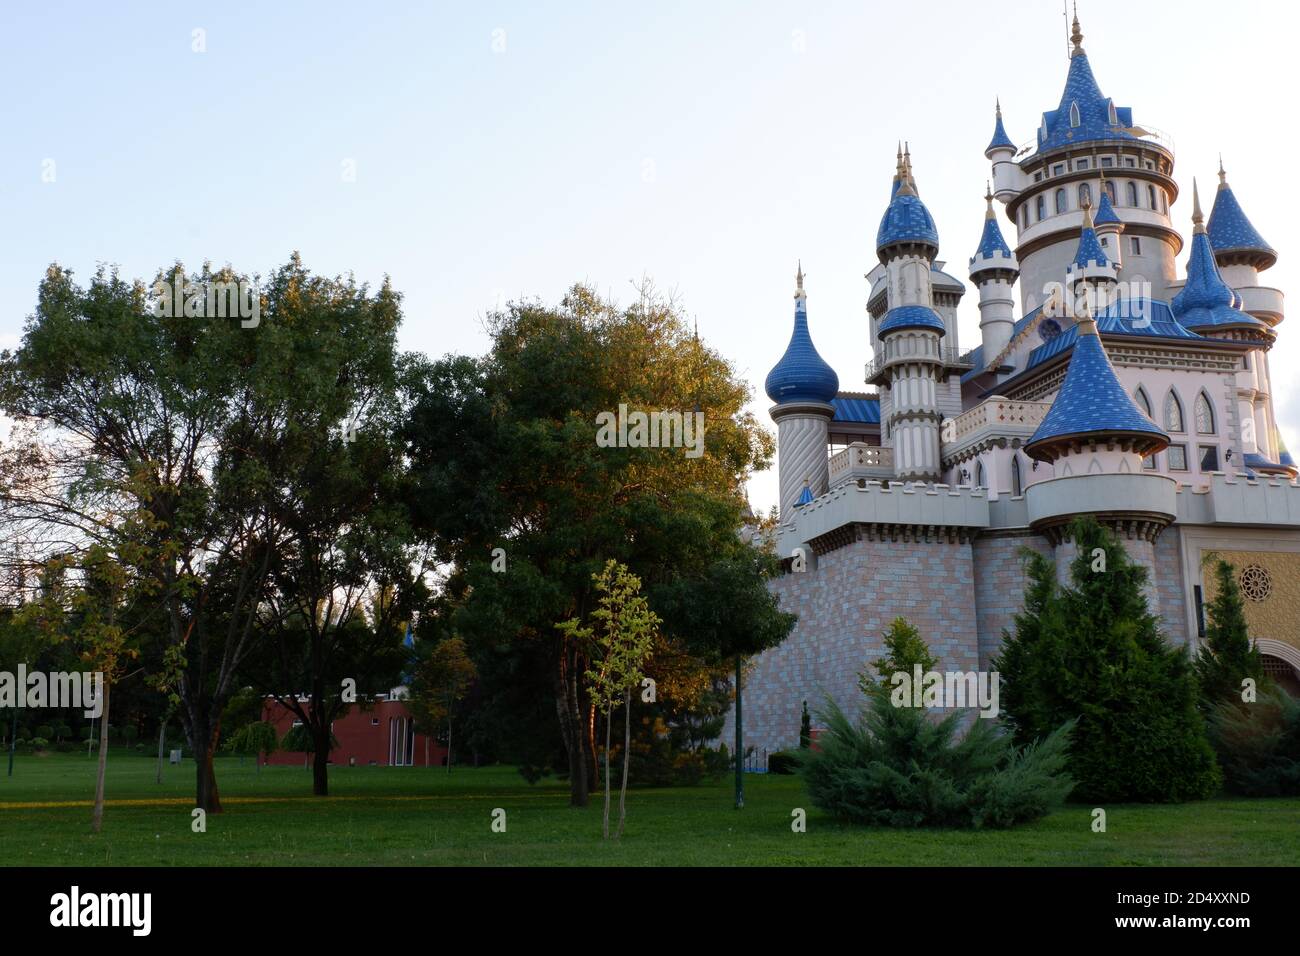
[1015, 477]
[1024, 217]
[1074, 114]
[1110, 191]
[1085, 194]
[1204, 413]
[1151, 195]
[1143, 402]
[979, 474]
[1114, 116]
[1173, 413]
[1041, 208]
[1062, 204]
[1132, 194]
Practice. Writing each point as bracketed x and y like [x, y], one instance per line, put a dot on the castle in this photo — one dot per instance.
[1122, 391]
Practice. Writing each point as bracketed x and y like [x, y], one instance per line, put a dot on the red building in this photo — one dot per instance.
[382, 735]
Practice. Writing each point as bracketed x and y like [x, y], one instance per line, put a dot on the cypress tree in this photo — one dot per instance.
[1226, 658]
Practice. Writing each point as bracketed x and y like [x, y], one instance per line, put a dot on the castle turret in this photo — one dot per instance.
[910, 358]
[994, 269]
[1109, 226]
[1091, 271]
[802, 386]
[1001, 152]
[1242, 254]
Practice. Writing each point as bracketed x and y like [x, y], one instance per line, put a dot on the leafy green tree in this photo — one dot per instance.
[442, 678]
[257, 738]
[529, 506]
[904, 650]
[1226, 658]
[1096, 656]
[622, 633]
[199, 426]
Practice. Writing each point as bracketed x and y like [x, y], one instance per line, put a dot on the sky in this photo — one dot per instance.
[479, 153]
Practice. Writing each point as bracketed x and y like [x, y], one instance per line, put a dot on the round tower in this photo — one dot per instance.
[1001, 152]
[802, 385]
[1091, 277]
[994, 269]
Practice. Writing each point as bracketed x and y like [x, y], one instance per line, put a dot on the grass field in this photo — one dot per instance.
[415, 816]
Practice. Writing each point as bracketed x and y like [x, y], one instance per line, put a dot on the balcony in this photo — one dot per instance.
[861, 460]
[1144, 133]
[951, 358]
[995, 419]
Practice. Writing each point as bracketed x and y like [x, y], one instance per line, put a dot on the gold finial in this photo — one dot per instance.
[909, 178]
[1076, 35]
[798, 282]
[998, 101]
[1223, 176]
[1086, 206]
[988, 198]
[1198, 220]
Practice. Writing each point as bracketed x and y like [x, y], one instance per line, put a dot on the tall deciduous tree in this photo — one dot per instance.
[522, 501]
[442, 677]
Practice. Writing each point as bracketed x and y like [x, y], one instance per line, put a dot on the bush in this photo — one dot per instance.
[66, 747]
[45, 730]
[62, 731]
[782, 762]
[39, 743]
[1259, 745]
[901, 767]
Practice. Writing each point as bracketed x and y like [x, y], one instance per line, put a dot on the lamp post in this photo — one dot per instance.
[740, 745]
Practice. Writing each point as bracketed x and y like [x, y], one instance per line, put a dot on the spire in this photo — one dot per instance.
[1000, 138]
[1234, 238]
[802, 375]
[798, 282]
[906, 220]
[1206, 302]
[993, 253]
[988, 198]
[1076, 35]
[1198, 218]
[1086, 206]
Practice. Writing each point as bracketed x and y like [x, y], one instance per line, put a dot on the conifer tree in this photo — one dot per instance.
[1226, 657]
[904, 649]
[1093, 652]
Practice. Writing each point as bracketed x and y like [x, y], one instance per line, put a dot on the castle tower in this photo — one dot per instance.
[1001, 152]
[1046, 188]
[910, 360]
[994, 269]
[1109, 227]
[1091, 271]
[802, 386]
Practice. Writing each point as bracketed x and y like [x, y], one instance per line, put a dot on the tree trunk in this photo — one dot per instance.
[571, 728]
[320, 780]
[162, 738]
[609, 721]
[740, 745]
[627, 755]
[449, 740]
[204, 740]
[97, 817]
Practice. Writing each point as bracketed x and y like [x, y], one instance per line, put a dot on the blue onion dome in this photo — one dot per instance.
[906, 220]
[1233, 237]
[1206, 301]
[1106, 212]
[1084, 114]
[1092, 406]
[1000, 138]
[911, 317]
[802, 375]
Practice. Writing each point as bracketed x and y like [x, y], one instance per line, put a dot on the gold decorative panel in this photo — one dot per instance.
[1270, 588]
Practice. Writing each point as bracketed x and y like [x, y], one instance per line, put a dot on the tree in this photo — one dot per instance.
[529, 506]
[257, 738]
[1095, 655]
[199, 424]
[441, 680]
[805, 728]
[623, 635]
[1226, 657]
[904, 651]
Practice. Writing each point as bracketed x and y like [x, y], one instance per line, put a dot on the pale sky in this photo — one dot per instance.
[506, 150]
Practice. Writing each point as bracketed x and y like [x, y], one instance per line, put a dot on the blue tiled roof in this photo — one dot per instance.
[1094, 112]
[866, 410]
[939, 277]
[1145, 317]
[991, 241]
[1000, 138]
[1254, 460]
[977, 354]
[1105, 211]
[911, 317]
[805, 497]
[1206, 301]
[906, 220]
[1230, 230]
[802, 375]
[1089, 249]
[1091, 400]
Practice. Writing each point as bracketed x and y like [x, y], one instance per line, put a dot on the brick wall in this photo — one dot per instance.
[1000, 586]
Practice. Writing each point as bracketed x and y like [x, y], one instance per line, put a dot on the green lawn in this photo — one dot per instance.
[414, 816]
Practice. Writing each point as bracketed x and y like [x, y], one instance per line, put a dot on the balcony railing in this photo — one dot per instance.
[861, 460]
[953, 358]
[1143, 133]
[992, 418]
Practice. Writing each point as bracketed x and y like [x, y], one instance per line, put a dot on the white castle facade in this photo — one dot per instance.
[1122, 389]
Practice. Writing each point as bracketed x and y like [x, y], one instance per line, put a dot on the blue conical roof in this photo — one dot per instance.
[1083, 114]
[1089, 250]
[1000, 138]
[1231, 232]
[802, 375]
[1106, 212]
[1091, 402]
[1206, 301]
[991, 241]
[805, 497]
